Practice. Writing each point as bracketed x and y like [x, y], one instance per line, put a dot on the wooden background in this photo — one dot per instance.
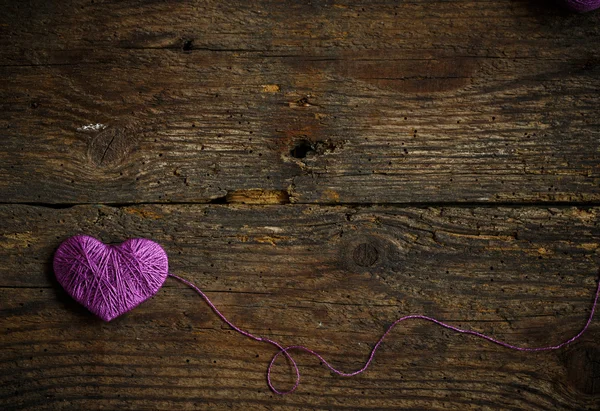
[319, 168]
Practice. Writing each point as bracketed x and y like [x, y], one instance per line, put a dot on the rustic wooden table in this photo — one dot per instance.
[319, 168]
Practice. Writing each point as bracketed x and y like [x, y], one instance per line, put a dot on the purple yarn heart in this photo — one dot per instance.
[583, 5]
[110, 280]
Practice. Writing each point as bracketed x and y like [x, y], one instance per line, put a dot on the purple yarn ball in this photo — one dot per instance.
[582, 5]
[110, 280]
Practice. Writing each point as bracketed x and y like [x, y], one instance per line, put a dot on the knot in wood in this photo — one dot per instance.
[365, 255]
[111, 146]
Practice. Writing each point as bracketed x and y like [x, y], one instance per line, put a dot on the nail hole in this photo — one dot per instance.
[188, 45]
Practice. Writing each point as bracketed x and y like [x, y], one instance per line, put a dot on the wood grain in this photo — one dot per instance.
[319, 168]
[301, 274]
[330, 102]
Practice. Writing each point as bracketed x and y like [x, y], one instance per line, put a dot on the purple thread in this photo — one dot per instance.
[110, 280]
[285, 350]
[582, 5]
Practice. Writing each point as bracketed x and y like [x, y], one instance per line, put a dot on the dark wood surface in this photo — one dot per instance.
[319, 168]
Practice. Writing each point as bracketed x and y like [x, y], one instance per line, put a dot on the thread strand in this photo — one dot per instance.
[285, 350]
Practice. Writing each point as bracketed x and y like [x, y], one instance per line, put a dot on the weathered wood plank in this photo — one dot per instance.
[391, 102]
[277, 102]
[329, 277]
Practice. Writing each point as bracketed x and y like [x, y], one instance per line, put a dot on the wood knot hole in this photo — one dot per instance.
[365, 255]
[301, 149]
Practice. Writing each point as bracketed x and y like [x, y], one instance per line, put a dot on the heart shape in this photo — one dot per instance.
[110, 280]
